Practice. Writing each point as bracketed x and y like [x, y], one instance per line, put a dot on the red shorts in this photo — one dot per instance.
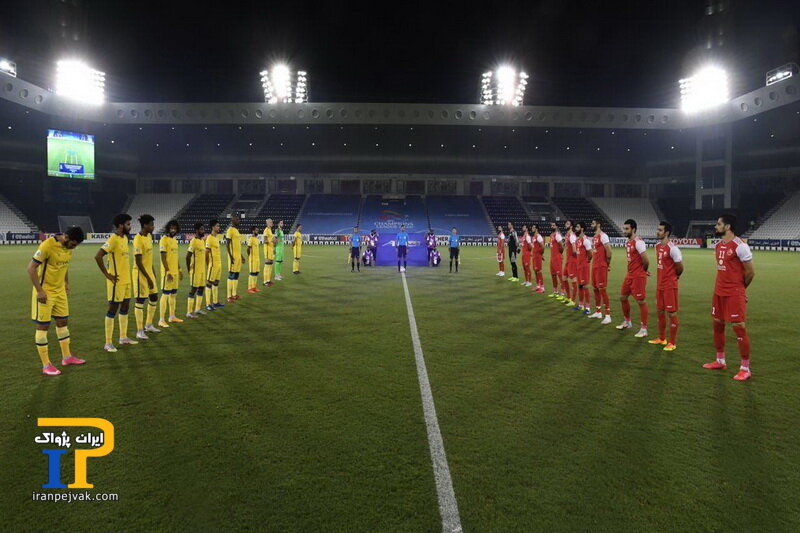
[537, 262]
[572, 268]
[729, 308]
[634, 286]
[583, 274]
[555, 265]
[600, 277]
[667, 299]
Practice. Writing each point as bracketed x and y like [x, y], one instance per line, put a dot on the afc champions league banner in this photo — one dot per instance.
[387, 250]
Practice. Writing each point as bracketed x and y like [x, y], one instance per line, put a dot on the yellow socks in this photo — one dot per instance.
[235, 286]
[41, 346]
[138, 311]
[209, 295]
[123, 325]
[162, 308]
[63, 341]
[296, 266]
[109, 329]
[173, 304]
[198, 303]
[151, 311]
[191, 304]
[215, 294]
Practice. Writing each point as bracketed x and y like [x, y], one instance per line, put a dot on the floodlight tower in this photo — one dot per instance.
[79, 82]
[503, 86]
[282, 85]
[705, 89]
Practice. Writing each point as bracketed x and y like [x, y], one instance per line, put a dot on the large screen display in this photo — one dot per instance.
[70, 155]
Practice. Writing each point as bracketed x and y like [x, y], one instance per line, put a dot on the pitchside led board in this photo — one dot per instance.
[70, 155]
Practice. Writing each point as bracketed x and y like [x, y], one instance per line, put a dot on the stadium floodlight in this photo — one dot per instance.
[504, 86]
[706, 89]
[781, 73]
[8, 66]
[280, 84]
[78, 81]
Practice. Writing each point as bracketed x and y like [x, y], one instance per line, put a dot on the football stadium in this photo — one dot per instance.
[420, 268]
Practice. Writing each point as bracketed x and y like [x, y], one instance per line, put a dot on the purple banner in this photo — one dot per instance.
[417, 253]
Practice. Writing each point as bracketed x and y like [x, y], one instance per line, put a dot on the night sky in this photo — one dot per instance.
[577, 53]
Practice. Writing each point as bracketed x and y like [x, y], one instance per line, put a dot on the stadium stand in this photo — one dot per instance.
[784, 222]
[584, 210]
[330, 214]
[676, 211]
[12, 220]
[163, 207]
[203, 208]
[284, 207]
[540, 209]
[505, 209]
[464, 212]
[639, 209]
[388, 213]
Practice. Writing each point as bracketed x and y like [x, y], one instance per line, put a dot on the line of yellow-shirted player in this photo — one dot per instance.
[48, 271]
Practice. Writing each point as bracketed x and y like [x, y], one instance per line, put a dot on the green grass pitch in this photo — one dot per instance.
[70, 151]
[298, 409]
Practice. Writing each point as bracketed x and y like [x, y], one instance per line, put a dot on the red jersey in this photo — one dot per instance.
[730, 257]
[600, 256]
[582, 247]
[538, 245]
[501, 241]
[667, 255]
[527, 245]
[634, 249]
[556, 247]
[571, 238]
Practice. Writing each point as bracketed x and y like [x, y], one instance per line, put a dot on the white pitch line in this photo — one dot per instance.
[448, 507]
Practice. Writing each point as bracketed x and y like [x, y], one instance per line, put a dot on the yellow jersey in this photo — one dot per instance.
[235, 238]
[169, 245]
[254, 259]
[212, 243]
[198, 249]
[269, 244]
[143, 245]
[297, 245]
[53, 260]
[117, 252]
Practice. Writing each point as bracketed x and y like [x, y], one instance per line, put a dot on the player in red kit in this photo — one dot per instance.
[501, 252]
[734, 274]
[556, 262]
[570, 266]
[538, 257]
[670, 267]
[527, 253]
[583, 258]
[601, 266]
[635, 282]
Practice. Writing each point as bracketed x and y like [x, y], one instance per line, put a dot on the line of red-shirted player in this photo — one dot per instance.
[578, 262]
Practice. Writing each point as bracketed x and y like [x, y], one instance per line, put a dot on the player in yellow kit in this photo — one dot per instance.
[214, 267]
[253, 261]
[234, 246]
[269, 253]
[118, 275]
[297, 248]
[48, 270]
[196, 260]
[145, 289]
[171, 274]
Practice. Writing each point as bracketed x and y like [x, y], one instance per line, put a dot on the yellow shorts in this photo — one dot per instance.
[255, 267]
[169, 286]
[57, 306]
[213, 272]
[140, 287]
[197, 278]
[116, 292]
[235, 265]
[269, 254]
